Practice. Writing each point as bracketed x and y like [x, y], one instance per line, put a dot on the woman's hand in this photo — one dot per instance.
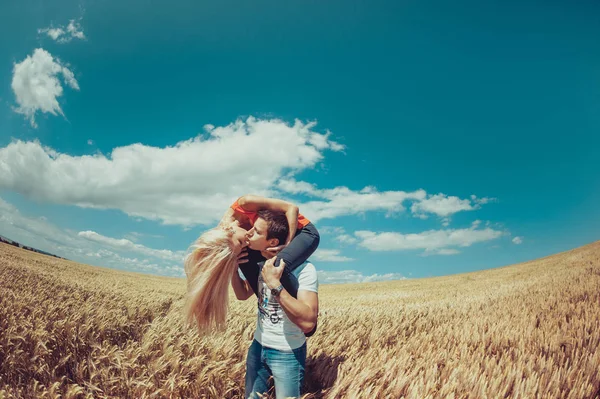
[242, 258]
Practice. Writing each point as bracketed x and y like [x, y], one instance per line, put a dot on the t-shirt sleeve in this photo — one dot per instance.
[235, 206]
[308, 280]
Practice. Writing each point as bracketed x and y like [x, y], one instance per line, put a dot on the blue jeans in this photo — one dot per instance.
[287, 369]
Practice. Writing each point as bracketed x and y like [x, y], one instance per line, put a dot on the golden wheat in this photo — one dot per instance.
[526, 331]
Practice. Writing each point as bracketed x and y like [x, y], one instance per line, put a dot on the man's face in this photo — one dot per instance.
[257, 236]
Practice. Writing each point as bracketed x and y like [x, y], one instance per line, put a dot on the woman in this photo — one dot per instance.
[216, 254]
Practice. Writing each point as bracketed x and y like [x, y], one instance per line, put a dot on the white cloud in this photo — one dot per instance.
[441, 205]
[353, 276]
[432, 241]
[190, 183]
[444, 206]
[135, 236]
[297, 187]
[339, 234]
[344, 201]
[442, 251]
[36, 85]
[346, 239]
[127, 245]
[330, 255]
[74, 29]
[64, 34]
[482, 201]
[54, 33]
[105, 255]
[39, 233]
[517, 240]
[331, 230]
[7, 207]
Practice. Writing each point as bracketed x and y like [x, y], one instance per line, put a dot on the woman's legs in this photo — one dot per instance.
[296, 253]
[302, 246]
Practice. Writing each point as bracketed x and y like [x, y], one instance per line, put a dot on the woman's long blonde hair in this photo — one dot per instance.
[209, 268]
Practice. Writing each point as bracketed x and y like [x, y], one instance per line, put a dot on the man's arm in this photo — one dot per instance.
[302, 311]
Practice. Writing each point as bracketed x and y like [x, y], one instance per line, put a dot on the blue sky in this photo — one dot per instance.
[422, 138]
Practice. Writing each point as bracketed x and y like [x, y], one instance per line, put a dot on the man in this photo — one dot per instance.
[279, 345]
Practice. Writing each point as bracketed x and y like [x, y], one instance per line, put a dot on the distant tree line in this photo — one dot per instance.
[19, 245]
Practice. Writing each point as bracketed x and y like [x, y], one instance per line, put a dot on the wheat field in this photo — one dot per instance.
[531, 330]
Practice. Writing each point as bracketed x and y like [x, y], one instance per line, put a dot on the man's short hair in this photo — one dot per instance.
[277, 225]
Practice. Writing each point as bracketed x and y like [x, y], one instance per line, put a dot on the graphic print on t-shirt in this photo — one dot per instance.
[268, 307]
[274, 329]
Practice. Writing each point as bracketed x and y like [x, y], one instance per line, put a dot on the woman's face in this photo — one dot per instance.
[239, 239]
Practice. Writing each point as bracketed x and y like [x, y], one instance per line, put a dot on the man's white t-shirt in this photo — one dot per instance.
[273, 327]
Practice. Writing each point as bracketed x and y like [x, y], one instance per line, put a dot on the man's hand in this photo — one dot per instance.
[275, 250]
[302, 311]
[271, 274]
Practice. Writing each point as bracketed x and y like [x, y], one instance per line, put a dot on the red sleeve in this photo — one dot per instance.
[237, 208]
[302, 221]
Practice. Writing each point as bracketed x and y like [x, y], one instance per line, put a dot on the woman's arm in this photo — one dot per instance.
[227, 218]
[241, 287]
[254, 203]
[292, 217]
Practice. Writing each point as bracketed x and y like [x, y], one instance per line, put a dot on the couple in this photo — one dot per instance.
[270, 242]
